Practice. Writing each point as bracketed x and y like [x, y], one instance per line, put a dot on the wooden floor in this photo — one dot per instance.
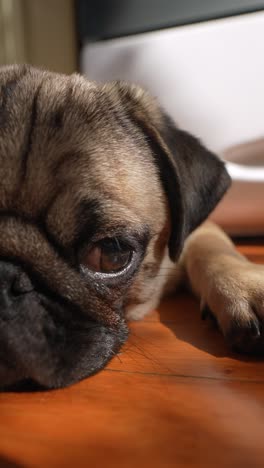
[174, 397]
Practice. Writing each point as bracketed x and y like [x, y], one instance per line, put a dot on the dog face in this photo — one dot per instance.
[96, 185]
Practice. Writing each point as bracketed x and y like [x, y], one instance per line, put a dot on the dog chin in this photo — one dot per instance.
[51, 346]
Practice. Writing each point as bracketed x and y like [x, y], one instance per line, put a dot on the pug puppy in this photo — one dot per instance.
[101, 196]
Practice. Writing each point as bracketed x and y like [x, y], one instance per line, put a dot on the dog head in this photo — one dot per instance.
[97, 184]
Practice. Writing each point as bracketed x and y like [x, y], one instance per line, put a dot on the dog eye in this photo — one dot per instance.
[107, 256]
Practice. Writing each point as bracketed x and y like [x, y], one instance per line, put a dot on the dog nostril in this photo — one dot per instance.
[14, 283]
[21, 285]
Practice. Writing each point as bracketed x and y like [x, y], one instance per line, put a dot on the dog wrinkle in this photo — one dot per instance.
[63, 280]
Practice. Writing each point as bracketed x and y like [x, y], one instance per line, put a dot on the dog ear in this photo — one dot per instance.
[194, 179]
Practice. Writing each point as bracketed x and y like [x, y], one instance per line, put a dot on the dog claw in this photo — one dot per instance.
[206, 313]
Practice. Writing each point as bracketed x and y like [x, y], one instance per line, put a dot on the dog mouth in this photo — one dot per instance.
[46, 344]
[53, 355]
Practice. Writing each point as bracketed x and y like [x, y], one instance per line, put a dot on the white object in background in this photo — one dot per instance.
[208, 76]
[242, 210]
[245, 173]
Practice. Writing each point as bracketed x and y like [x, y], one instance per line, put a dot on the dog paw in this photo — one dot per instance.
[236, 299]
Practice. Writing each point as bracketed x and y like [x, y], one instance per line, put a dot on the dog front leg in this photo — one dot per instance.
[228, 284]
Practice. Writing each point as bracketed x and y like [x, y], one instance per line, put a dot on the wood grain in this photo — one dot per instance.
[174, 397]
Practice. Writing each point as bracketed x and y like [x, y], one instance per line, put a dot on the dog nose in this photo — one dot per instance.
[13, 284]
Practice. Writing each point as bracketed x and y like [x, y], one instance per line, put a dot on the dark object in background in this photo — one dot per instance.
[104, 19]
